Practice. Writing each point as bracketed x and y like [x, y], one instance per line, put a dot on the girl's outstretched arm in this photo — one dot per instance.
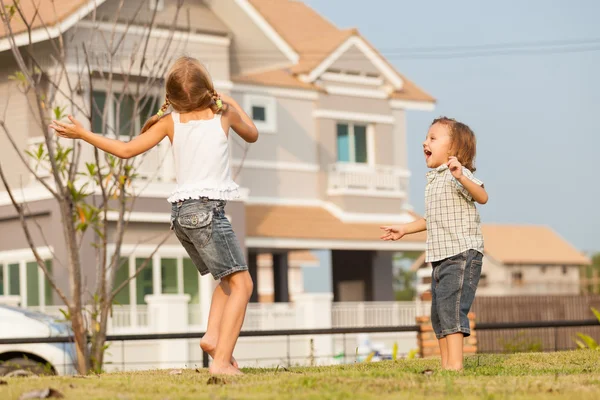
[241, 123]
[137, 145]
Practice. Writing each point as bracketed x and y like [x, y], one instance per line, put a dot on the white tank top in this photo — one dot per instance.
[201, 154]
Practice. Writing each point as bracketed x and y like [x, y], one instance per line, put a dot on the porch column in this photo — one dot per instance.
[280, 277]
[253, 269]
[168, 313]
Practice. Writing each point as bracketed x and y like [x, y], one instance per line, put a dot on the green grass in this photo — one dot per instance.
[564, 375]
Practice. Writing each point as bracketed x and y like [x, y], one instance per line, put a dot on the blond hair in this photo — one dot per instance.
[463, 143]
[188, 88]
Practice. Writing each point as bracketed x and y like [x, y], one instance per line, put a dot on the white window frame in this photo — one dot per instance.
[23, 257]
[133, 252]
[370, 130]
[270, 105]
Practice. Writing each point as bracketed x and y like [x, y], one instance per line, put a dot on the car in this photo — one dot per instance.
[34, 358]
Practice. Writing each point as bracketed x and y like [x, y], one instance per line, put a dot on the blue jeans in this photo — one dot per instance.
[453, 284]
[206, 234]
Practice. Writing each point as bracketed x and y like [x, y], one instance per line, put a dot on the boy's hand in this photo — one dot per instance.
[455, 168]
[393, 232]
[69, 131]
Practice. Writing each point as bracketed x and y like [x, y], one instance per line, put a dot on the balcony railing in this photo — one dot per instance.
[367, 180]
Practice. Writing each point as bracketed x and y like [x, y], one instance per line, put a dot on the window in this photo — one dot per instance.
[121, 115]
[543, 269]
[168, 273]
[14, 280]
[259, 113]
[517, 278]
[191, 281]
[565, 270]
[25, 278]
[121, 276]
[33, 284]
[263, 110]
[178, 275]
[483, 282]
[352, 143]
[143, 282]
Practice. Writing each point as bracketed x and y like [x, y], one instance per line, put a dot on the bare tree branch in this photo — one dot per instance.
[25, 162]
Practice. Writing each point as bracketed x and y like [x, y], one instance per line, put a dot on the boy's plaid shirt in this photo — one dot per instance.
[453, 223]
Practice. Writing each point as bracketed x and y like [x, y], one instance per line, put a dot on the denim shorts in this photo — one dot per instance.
[453, 284]
[206, 234]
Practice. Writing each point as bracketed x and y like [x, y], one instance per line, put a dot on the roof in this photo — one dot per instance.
[529, 244]
[525, 245]
[48, 13]
[280, 77]
[309, 222]
[314, 38]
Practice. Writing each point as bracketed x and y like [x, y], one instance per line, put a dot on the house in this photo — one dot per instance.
[520, 260]
[329, 168]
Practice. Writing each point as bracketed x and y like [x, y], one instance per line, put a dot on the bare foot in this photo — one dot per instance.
[220, 369]
[208, 346]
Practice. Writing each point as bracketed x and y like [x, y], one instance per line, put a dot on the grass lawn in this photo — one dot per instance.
[564, 375]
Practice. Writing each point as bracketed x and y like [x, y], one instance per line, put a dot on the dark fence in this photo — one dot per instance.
[482, 329]
[541, 310]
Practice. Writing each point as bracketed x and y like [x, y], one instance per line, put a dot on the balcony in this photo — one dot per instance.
[367, 180]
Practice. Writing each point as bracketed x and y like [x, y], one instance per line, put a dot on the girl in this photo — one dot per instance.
[454, 239]
[198, 130]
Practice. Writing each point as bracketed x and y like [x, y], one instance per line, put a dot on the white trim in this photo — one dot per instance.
[223, 84]
[356, 92]
[366, 193]
[144, 250]
[373, 57]
[162, 190]
[412, 105]
[349, 217]
[354, 117]
[268, 30]
[276, 165]
[14, 256]
[157, 33]
[50, 32]
[137, 216]
[293, 243]
[371, 145]
[298, 94]
[354, 79]
[33, 193]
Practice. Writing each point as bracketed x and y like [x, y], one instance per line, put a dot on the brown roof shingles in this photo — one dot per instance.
[39, 13]
[314, 38]
[307, 222]
[525, 245]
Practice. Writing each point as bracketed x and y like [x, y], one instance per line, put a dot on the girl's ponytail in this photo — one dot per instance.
[216, 97]
[154, 119]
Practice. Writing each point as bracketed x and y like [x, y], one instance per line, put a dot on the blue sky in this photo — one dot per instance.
[536, 116]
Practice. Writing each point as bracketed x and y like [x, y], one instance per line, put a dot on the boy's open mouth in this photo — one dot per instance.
[427, 153]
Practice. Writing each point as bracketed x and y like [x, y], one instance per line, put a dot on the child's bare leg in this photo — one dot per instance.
[443, 342]
[211, 337]
[240, 284]
[455, 351]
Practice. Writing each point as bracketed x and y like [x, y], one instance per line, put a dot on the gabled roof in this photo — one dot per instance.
[525, 245]
[315, 38]
[47, 19]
